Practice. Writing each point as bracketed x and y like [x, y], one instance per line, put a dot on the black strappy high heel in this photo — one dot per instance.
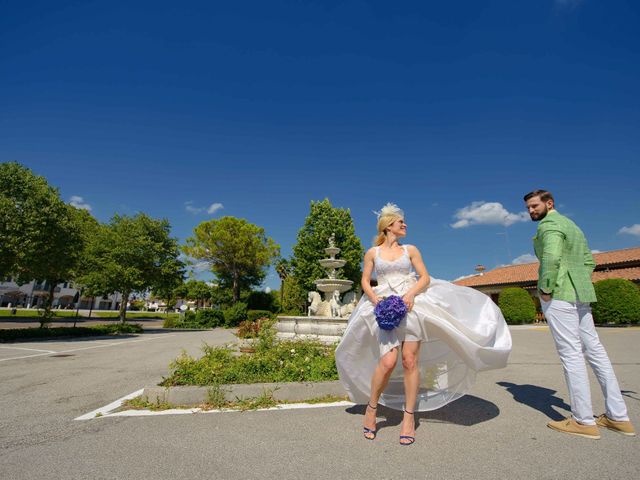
[368, 431]
[410, 438]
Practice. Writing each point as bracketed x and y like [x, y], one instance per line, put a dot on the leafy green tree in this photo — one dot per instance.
[323, 221]
[618, 301]
[283, 269]
[294, 298]
[198, 291]
[221, 297]
[517, 305]
[239, 252]
[41, 237]
[132, 254]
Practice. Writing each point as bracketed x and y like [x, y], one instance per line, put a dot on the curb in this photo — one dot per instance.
[294, 391]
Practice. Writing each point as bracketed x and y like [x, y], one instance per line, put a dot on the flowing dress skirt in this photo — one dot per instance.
[462, 330]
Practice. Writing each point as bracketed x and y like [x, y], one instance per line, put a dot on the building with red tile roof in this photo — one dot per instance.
[623, 263]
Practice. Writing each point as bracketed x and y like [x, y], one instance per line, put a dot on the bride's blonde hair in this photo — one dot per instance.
[386, 216]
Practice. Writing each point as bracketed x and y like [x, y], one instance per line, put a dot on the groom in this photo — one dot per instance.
[565, 290]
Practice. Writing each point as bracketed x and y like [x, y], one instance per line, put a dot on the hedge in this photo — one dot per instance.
[235, 314]
[12, 334]
[618, 301]
[517, 305]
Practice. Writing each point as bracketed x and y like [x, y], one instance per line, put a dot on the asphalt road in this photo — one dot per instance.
[498, 431]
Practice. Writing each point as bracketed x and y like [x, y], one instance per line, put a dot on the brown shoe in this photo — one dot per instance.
[569, 425]
[625, 427]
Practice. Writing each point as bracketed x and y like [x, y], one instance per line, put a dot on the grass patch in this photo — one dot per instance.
[325, 399]
[33, 313]
[12, 334]
[216, 401]
[138, 315]
[282, 361]
[138, 403]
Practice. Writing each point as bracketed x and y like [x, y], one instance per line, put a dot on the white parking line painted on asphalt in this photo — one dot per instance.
[103, 345]
[28, 349]
[108, 410]
[111, 407]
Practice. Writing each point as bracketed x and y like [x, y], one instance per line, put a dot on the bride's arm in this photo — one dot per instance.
[423, 276]
[367, 270]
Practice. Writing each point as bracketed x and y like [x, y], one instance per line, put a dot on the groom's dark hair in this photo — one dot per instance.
[544, 195]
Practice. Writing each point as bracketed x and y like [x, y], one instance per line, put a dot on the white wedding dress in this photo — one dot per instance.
[462, 331]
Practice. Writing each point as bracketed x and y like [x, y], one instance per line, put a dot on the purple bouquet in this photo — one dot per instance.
[390, 312]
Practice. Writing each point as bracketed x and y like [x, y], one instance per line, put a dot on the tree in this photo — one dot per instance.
[283, 269]
[238, 252]
[294, 298]
[198, 291]
[132, 254]
[516, 305]
[41, 237]
[618, 301]
[323, 221]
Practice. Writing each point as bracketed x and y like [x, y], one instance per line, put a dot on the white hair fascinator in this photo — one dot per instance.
[389, 209]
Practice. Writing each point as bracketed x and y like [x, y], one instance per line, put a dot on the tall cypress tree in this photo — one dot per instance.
[323, 221]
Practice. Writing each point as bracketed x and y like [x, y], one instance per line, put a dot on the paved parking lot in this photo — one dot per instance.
[498, 431]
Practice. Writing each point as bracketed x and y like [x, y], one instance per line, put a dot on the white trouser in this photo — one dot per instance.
[575, 336]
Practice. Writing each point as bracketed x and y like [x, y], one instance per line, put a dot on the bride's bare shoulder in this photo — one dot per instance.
[371, 252]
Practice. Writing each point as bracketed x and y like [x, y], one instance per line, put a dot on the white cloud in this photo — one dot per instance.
[188, 206]
[79, 202]
[214, 207]
[595, 251]
[524, 258]
[632, 230]
[487, 213]
[211, 209]
[200, 266]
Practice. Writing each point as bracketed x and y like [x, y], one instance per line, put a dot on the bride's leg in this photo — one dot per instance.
[379, 381]
[410, 353]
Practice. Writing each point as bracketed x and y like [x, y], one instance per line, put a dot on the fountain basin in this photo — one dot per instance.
[332, 263]
[330, 284]
[332, 251]
[327, 330]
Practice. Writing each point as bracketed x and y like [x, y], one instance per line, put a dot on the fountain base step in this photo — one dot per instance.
[327, 330]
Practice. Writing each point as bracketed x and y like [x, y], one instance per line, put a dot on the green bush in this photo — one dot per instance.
[294, 298]
[8, 335]
[170, 322]
[517, 305]
[285, 361]
[253, 315]
[235, 314]
[618, 301]
[189, 316]
[210, 318]
[261, 301]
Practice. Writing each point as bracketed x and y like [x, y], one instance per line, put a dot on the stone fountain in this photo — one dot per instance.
[327, 317]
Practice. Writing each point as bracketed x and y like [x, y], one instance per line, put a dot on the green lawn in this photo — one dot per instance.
[139, 315]
[33, 313]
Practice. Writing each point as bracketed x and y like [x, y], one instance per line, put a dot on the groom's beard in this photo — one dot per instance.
[536, 217]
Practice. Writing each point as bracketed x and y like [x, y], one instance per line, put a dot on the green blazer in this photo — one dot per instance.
[566, 262]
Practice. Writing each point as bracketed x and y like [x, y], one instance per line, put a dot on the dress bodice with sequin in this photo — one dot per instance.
[392, 268]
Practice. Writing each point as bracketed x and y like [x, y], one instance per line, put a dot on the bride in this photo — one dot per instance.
[449, 333]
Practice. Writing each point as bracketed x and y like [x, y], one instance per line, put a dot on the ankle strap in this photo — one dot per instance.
[372, 408]
[407, 411]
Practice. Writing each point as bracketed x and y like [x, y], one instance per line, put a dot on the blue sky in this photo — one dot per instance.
[194, 110]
